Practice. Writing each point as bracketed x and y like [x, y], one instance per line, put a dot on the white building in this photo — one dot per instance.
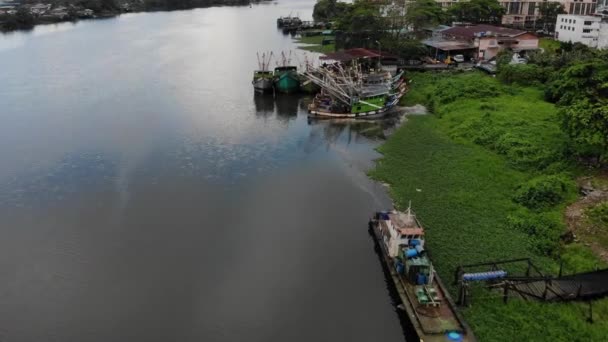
[588, 30]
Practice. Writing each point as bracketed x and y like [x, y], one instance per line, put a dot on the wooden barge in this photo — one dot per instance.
[399, 238]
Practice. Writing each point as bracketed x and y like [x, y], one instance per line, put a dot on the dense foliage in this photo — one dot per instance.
[548, 14]
[574, 77]
[424, 13]
[477, 11]
[328, 10]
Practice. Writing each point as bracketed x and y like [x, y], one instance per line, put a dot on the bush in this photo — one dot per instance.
[544, 229]
[451, 89]
[524, 74]
[544, 191]
[598, 215]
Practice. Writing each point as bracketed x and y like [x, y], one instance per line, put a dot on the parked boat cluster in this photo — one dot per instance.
[349, 89]
[292, 25]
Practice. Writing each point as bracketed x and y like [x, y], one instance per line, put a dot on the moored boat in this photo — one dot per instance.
[352, 93]
[400, 239]
[286, 78]
[263, 78]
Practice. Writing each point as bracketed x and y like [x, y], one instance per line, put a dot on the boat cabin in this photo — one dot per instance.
[401, 230]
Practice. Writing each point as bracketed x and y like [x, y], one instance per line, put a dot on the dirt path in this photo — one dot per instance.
[594, 190]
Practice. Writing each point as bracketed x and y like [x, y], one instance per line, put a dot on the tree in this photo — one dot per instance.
[423, 13]
[581, 92]
[548, 14]
[328, 10]
[361, 16]
[477, 12]
[586, 122]
[23, 19]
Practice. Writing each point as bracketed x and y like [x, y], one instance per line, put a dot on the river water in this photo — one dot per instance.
[146, 193]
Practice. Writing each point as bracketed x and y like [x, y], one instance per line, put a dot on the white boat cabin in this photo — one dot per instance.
[399, 230]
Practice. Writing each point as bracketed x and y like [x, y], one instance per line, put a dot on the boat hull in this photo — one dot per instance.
[316, 112]
[262, 84]
[287, 82]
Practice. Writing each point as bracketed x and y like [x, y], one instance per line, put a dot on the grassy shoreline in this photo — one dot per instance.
[314, 44]
[467, 169]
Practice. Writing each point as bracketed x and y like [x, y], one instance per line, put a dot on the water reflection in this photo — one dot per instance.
[264, 104]
[287, 106]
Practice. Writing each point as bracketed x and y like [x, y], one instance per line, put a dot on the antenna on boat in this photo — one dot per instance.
[409, 213]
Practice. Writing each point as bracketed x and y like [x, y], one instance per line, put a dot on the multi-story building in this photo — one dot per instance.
[525, 13]
[588, 30]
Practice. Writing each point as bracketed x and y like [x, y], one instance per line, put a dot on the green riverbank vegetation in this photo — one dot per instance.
[490, 174]
[492, 171]
[316, 43]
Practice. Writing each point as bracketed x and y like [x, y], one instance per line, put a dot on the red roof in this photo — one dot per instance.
[411, 231]
[471, 31]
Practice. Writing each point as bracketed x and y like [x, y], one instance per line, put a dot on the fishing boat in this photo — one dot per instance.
[263, 77]
[348, 92]
[400, 240]
[289, 21]
[307, 85]
[286, 78]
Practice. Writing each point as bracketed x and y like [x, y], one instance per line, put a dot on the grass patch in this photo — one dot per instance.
[548, 44]
[467, 170]
[314, 43]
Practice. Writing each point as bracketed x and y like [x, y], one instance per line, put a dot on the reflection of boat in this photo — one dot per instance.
[263, 77]
[400, 239]
[286, 78]
[264, 103]
[287, 105]
[352, 93]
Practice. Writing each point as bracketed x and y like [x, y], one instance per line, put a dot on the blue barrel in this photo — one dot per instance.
[484, 275]
[384, 216]
[414, 242]
[454, 336]
[421, 279]
[400, 267]
[410, 253]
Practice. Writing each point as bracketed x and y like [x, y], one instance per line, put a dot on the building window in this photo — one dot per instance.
[531, 8]
[587, 23]
[586, 30]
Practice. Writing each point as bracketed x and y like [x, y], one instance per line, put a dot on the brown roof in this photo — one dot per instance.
[348, 55]
[411, 231]
[449, 45]
[471, 31]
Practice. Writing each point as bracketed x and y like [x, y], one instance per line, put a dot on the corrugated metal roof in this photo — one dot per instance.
[471, 31]
[449, 45]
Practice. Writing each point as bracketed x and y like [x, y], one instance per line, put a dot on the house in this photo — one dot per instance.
[481, 42]
[39, 9]
[86, 13]
[589, 30]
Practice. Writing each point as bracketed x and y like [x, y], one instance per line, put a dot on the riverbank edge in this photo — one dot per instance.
[489, 318]
[38, 21]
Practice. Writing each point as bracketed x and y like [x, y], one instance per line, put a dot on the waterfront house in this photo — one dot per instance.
[40, 9]
[481, 42]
